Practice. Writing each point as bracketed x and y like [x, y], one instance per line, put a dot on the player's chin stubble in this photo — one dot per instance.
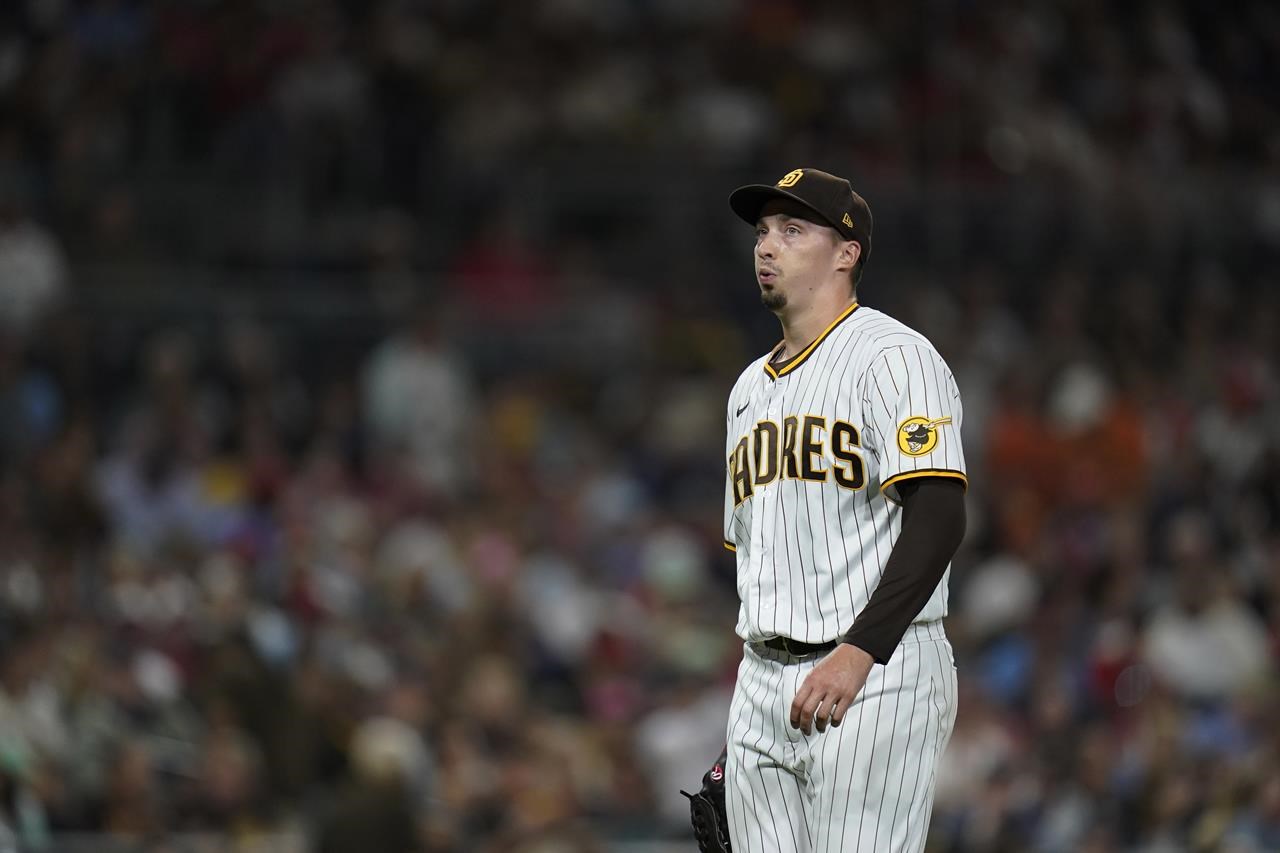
[773, 300]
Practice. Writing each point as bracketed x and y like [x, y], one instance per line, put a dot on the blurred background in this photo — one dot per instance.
[362, 379]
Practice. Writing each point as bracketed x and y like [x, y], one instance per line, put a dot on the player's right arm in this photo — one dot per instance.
[730, 540]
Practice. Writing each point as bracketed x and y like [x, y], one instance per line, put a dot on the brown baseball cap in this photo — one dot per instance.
[830, 197]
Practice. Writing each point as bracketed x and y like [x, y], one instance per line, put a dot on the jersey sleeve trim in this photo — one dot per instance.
[729, 546]
[797, 360]
[924, 472]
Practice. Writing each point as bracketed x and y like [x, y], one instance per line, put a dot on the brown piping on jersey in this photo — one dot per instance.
[776, 371]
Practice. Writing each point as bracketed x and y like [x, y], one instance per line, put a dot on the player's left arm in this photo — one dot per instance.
[933, 525]
[913, 415]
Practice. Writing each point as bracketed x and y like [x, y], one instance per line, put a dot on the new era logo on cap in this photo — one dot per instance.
[847, 220]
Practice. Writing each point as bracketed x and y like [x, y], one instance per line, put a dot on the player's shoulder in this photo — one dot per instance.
[753, 372]
[750, 374]
[882, 330]
[882, 334]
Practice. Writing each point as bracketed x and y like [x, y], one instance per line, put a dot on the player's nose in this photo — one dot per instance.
[766, 245]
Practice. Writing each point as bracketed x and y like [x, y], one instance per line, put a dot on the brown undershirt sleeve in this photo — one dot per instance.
[933, 522]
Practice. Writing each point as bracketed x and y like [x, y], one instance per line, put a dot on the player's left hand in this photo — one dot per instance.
[830, 688]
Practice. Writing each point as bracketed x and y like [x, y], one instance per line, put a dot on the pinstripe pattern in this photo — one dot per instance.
[865, 786]
[810, 553]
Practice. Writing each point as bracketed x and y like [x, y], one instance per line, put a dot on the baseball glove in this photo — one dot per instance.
[706, 810]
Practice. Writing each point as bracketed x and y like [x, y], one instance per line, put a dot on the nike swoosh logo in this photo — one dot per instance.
[740, 411]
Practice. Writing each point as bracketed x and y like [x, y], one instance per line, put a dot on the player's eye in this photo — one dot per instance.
[793, 230]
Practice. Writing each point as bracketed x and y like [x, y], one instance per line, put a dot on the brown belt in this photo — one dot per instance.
[797, 648]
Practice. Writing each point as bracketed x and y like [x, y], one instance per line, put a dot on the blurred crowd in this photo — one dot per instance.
[444, 573]
[265, 117]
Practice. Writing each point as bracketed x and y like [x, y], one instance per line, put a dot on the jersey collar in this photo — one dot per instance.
[799, 359]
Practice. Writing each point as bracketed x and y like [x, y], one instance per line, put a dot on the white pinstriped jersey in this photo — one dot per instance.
[815, 449]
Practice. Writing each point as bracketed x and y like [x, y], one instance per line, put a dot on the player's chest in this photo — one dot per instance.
[818, 396]
[796, 428]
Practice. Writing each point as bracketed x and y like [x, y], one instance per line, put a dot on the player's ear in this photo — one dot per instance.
[850, 251]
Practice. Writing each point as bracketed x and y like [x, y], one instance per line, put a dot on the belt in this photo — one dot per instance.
[797, 648]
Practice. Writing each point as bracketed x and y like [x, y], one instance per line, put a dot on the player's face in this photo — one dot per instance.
[794, 254]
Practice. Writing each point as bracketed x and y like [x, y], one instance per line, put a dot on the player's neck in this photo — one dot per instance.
[801, 325]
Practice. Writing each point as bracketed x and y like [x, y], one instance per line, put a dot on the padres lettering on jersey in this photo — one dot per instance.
[799, 450]
[815, 449]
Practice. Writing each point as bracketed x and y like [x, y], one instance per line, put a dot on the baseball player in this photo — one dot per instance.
[844, 503]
